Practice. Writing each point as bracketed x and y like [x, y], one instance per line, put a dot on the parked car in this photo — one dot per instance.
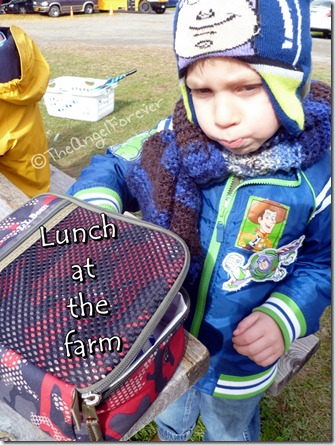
[3, 6]
[172, 3]
[158, 6]
[54, 8]
[321, 16]
[19, 7]
[145, 6]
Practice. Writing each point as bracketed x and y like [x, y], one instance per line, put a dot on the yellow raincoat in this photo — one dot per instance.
[24, 156]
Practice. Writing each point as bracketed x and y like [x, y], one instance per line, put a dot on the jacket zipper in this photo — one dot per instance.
[226, 203]
[214, 246]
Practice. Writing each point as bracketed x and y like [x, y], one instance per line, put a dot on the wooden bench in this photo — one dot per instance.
[191, 369]
[11, 197]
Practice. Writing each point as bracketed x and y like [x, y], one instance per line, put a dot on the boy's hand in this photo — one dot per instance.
[259, 337]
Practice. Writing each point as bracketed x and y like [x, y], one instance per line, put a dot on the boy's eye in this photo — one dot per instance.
[250, 88]
[201, 92]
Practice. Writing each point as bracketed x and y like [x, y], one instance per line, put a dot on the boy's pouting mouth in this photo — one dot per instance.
[231, 104]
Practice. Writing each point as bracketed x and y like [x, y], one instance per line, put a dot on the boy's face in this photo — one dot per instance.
[231, 104]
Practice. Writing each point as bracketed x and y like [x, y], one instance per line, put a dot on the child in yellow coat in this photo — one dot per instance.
[24, 76]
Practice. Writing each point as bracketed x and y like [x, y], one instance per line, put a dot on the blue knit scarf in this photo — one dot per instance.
[176, 164]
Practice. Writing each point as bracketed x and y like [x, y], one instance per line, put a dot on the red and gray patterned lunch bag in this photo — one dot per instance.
[91, 316]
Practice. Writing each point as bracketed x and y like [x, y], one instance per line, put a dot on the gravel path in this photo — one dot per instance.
[119, 28]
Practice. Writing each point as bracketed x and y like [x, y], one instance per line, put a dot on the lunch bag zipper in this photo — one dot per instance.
[93, 395]
[100, 387]
[91, 399]
[131, 355]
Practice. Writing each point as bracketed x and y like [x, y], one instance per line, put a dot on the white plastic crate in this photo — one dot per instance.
[76, 98]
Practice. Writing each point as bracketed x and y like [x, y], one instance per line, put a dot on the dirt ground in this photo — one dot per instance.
[96, 29]
[119, 28]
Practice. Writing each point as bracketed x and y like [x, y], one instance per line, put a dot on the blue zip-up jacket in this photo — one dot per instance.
[279, 265]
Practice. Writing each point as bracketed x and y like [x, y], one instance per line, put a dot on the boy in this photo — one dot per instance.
[24, 77]
[242, 138]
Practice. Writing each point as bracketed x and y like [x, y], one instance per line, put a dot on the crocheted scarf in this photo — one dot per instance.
[176, 164]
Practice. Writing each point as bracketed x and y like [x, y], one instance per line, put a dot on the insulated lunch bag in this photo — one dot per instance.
[91, 316]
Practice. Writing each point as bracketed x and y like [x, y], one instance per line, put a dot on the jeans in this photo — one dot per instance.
[224, 419]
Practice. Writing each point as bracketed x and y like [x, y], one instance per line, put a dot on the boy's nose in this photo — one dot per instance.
[225, 112]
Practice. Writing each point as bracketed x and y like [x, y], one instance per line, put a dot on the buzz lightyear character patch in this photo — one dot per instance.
[262, 225]
[131, 149]
[261, 266]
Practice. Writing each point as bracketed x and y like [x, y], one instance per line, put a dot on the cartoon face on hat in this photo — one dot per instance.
[210, 26]
[272, 36]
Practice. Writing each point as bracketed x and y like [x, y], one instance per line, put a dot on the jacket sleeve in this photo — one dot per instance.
[299, 300]
[103, 182]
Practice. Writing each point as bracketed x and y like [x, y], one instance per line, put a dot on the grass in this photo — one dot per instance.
[153, 87]
[72, 143]
[303, 411]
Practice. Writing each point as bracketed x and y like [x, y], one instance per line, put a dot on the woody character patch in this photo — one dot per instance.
[263, 224]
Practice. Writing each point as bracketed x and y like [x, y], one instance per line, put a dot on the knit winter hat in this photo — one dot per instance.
[272, 36]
